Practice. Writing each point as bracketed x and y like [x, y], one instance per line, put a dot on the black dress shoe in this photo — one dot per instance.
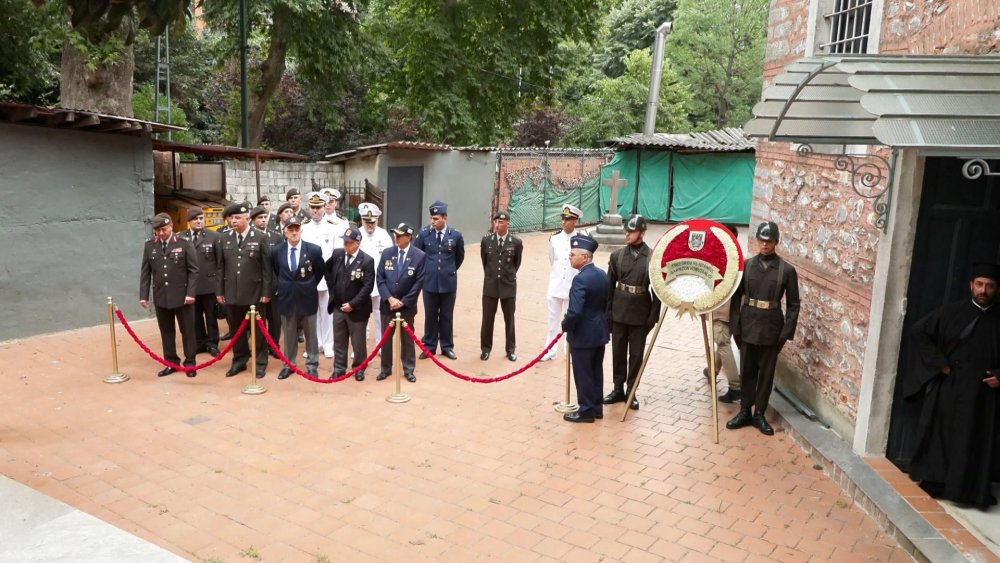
[599, 416]
[424, 356]
[512, 356]
[191, 373]
[234, 370]
[165, 371]
[381, 376]
[261, 372]
[411, 378]
[213, 350]
[613, 397]
[451, 354]
[285, 373]
[359, 377]
[634, 405]
[335, 375]
[741, 419]
[730, 396]
[484, 356]
[227, 336]
[761, 424]
[577, 417]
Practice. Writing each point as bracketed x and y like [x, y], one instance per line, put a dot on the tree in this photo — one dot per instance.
[30, 41]
[617, 106]
[718, 48]
[631, 25]
[465, 70]
[541, 125]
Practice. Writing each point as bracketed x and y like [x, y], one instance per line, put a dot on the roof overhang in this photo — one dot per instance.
[79, 120]
[930, 102]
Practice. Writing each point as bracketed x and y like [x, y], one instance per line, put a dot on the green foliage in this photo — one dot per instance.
[143, 108]
[630, 26]
[30, 42]
[97, 19]
[617, 106]
[718, 49]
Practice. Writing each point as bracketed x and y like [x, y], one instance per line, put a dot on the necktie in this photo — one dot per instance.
[295, 263]
[439, 238]
[163, 246]
[239, 239]
[347, 261]
[399, 260]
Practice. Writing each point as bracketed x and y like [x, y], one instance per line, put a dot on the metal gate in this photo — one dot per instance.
[537, 197]
[353, 194]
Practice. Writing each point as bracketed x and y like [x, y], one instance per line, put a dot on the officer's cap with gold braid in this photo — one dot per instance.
[369, 212]
[316, 199]
[571, 212]
[331, 193]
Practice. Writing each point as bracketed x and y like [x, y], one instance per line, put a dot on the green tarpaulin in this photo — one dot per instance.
[537, 204]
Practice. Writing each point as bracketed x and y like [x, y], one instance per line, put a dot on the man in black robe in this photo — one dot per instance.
[957, 455]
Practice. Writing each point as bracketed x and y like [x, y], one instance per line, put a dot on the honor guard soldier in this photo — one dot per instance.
[759, 327]
[269, 311]
[501, 254]
[562, 274]
[322, 232]
[298, 266]
[170, 267]
[400, 277]
[206, 322]
[632, 309]
[586, 328]
[350, 275]
[445, 250]
[374, 240]
[294, 198]
[245, 278]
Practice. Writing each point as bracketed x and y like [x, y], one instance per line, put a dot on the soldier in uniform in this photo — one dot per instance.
[245, 278]
[333, 210]
[501, 254]
[298, 266]
[562, 274]
[632, 309]
[374, 240]
[322, 232]
[206, 323]
[350, 275]
[759, 327]
[269, 311]
[400, 277]
[170, 267]
[586, 328]
[445, 250]
[294, 198]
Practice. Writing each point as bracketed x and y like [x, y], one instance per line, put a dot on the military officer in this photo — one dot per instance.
[322, 232]
[206, 323]
[269, 311]
[170, 267]
[400, 277]
[333, 210]
[294, 198]
[350, 275]
[245, 278]
[562, 273]
[586, 328]
[445, 250]
[501, 255]
[374, 240]
[759, 327]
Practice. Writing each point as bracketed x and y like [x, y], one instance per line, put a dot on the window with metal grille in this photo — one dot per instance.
[849, 24]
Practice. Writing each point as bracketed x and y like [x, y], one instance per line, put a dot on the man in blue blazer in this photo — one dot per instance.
[350, 278]
[298, 267]
[586, 328]
[445, 250]
[400, 277]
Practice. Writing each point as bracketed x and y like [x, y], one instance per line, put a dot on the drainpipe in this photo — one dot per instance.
[657, 75]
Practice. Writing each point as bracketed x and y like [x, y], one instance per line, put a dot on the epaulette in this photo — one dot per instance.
[307, 220]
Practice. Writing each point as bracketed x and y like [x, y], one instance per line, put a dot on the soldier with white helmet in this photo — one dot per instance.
[374, 240]
[322, 232]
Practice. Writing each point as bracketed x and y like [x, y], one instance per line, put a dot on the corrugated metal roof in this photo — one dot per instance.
[731, 139]
[534, 150]
[224, 151]
[921, 101]
[80, 120]
[374, 149]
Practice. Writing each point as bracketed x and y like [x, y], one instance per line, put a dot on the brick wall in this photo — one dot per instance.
[941, 27]
[567, 170]
[277, 177]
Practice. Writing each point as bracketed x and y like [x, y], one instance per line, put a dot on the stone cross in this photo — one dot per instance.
[614, 182]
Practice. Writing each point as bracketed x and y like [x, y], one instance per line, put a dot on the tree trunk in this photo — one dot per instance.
[271, 71]
[105, 89]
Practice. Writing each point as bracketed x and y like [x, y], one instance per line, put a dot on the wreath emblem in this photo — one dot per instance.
[696, 266]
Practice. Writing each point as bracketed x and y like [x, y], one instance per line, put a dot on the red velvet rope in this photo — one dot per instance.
[313, 378]
[222, 354]
[463, 377]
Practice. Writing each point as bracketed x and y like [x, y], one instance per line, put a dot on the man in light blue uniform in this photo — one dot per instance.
[444, 248]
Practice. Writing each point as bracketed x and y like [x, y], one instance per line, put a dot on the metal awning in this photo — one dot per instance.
[900, 101]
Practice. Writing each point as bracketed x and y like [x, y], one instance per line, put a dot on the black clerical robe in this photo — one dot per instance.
[957, 455]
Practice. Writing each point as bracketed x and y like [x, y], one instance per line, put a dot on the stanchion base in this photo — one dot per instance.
[567, 407]
[115, 378]
[398, 398]
[254, 389]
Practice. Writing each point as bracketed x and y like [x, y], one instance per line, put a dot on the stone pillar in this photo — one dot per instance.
[610, 232]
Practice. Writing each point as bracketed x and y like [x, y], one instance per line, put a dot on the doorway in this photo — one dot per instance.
[404, 196]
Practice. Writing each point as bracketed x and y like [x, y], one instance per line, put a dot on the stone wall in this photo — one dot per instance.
[276, 178]
[941, 27]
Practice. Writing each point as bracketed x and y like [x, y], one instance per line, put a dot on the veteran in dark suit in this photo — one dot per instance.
[400, 277]
[206, 323]
[760, 328]
[246, 278]
[445, 250]
[350, 278]
[586, 328]
[169, 266]
[501, 255]
[298, 266]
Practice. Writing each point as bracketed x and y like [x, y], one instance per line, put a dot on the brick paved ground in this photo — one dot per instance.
[310, 472]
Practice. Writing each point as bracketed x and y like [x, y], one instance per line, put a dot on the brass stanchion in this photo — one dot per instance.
[710, 342]
[115, 376]
[645, 359]
[254, 387]
[567, 406]
[397, 362]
